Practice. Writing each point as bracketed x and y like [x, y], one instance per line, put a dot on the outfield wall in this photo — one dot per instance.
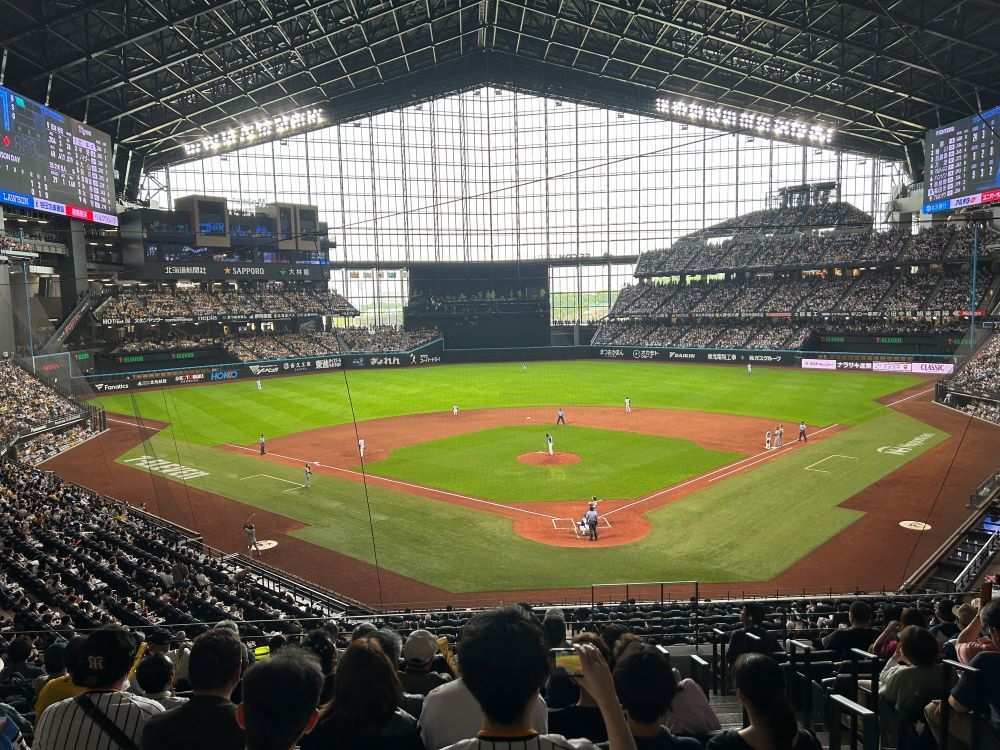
[435, 353]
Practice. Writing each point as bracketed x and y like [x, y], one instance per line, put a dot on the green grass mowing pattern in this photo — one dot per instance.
[748, 527]
[235, 412]
[613, 464]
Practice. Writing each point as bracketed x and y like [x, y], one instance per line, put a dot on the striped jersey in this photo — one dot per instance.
[65, 725]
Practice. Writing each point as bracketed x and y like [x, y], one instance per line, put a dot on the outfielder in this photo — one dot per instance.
[259, 386]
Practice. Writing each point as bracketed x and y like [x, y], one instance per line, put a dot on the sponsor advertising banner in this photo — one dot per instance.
[819, 364]
[691, 355]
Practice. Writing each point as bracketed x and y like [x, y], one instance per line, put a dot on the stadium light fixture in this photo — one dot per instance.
[259, 130]
[735, 119]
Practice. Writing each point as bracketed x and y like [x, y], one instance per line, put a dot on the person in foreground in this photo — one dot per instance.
[363, 712]
[760, 688]
[504, 662]
[280, 700]
[646, 687]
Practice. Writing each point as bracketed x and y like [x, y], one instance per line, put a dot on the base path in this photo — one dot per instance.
[337, 447]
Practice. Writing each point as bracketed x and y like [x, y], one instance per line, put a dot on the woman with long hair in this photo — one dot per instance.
[760, 688]
[364, 710]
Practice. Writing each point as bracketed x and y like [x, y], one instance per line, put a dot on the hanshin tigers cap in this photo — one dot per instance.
[106, 657]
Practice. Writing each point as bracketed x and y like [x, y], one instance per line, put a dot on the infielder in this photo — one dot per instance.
[251, 531]
[259, 386]
[802, 432]
[781, 436]
[560, 417]
[309, 474]
[628, 405]
[361, 446]
[548, 441]
[454, 410]
[262, 451]
[767, 440]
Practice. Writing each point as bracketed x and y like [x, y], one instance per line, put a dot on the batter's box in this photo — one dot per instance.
[828, 470]
[569, 524]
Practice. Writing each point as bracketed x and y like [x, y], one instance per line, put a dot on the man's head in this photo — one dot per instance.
[105, 658]
[554, 625]
[158, 641]
[860, 613]
[391, 643]
[918, 646]
[752, 615]
[990, 617]
[504, 662]
[319, 644]
[20, 649]
[55, 659]
[216, 661]
[943, 611]
[280, 698]
[644, 682]
[154, 673]
[420, 649]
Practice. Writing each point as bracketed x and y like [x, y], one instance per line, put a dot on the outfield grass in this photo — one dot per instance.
[613, 464]
[235, 412]
[749, 527]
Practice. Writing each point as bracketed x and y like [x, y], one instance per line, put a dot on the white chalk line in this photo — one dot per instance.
[276, 479]
[133, 424]
[907, 398]
[762, 456]
[403, 484]
[824, 471]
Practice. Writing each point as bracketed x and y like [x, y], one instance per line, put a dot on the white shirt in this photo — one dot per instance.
[64, 724]
[451, 714]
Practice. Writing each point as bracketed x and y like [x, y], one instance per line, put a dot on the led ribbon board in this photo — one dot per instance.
[734, 119]
[261, 130]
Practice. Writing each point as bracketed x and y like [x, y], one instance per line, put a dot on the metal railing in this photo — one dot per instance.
[971, 572]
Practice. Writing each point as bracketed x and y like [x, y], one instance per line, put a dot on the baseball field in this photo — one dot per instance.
[474, 503]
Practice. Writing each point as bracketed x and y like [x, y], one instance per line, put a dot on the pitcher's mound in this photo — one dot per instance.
[541, 458]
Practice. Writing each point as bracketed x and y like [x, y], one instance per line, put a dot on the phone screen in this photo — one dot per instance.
[567, 661]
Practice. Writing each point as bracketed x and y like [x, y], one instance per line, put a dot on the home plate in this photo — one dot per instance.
[267, 544]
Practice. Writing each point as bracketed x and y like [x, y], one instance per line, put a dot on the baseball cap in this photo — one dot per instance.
[106, 657]
[965, 613]
[159, 637]
[55, 657]
[420, 647]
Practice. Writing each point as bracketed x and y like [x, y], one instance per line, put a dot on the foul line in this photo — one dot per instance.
[277, 479]
[762, 456]
[133, 424]
[400, 483]
[824, 471]
[907, 398]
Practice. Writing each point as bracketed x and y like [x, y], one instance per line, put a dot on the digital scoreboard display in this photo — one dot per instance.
[963, 163]
[50, 162]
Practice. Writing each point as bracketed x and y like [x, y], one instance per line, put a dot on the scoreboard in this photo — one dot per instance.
[963, 163]
[51, 162]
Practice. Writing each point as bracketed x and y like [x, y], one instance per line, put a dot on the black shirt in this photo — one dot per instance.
[578, 722]
[730, 739]
[206, 722]
[740, 643]
[981, 692]
[843, 640]
[663, 741]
